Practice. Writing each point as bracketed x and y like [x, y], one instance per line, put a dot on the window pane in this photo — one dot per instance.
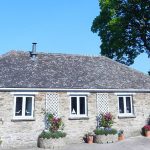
[28, 108]
[121, 105]
[73, 105]
[82, 105]
[18, 111]
[128, 105]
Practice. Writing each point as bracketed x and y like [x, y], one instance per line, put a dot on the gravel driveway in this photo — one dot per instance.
[135, 143]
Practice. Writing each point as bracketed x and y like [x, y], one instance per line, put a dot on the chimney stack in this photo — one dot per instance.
[33, 53]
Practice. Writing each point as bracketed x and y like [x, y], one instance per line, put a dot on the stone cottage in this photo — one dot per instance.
[76, 88]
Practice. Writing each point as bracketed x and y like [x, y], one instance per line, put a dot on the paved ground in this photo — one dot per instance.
[136, 143]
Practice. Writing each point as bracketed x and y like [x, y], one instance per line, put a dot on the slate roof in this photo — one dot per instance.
[19, 70]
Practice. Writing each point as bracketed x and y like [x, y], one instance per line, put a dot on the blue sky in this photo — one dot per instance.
[58, 26]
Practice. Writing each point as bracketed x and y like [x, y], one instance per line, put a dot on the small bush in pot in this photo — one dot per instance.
[53, 138]
[89, 137]
[105, 133]
[54, 135]
[120, 135]
[146, 130]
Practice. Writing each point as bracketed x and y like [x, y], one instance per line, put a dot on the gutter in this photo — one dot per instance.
[73, 90]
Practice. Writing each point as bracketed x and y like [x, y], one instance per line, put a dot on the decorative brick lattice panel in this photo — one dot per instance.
[52, 103]
[102, 103]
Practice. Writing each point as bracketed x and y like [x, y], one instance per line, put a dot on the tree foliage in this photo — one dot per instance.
[124, 29]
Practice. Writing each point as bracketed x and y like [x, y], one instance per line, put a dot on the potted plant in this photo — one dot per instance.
[54, 137]
[120, 135]
[106, 134]
[146, 130]
[89, 138]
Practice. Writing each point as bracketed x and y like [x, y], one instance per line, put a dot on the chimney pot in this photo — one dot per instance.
[33, 52]
[34, 48]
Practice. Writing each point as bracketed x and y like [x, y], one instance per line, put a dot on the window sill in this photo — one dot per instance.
[126, 116]
[17, 120]
[78, 118]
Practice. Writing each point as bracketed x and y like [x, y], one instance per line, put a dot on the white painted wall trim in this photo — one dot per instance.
[78, 115]
[23, 117]
[124, 94]
[125, 114]
[78, 93]
[73, 90]
[24, 93]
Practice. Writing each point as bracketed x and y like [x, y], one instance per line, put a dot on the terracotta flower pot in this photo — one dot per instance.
[90, 139]
[147, 133]
[121, 137]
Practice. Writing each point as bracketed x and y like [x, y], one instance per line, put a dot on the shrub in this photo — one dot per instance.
[55, 123]
[54, 130]
[105, 131]
[53, 135]
[107, 120]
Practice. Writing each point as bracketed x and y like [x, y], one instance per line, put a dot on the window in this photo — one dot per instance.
[78, 106]
[23, 107]
[125, 105]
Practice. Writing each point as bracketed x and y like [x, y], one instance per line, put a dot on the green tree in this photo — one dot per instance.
[124, 29]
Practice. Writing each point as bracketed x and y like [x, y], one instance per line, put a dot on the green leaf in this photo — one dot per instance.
[124, 29]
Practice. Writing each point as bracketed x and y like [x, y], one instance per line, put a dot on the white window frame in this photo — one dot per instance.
[23, 117]
[78, 107]
[125, 114]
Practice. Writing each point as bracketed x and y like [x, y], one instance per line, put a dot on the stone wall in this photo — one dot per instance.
[76, 129]
[132, 126]
[20, 133]
[25, 133]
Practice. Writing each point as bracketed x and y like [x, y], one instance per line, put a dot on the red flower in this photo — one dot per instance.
[106, 120]
[55, 123]
[146, 127]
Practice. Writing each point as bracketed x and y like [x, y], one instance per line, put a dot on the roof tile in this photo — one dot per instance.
[18, 70]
